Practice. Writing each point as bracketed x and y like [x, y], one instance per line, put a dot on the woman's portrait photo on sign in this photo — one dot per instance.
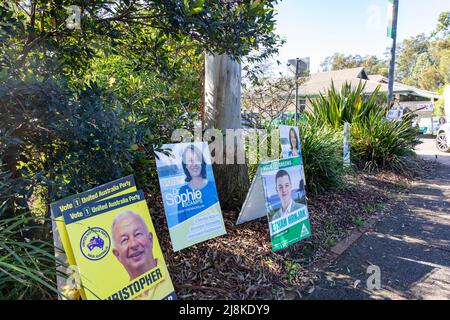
[290, 142]
[189, 193]
[442, 121]
[196, 179]
[187, 181]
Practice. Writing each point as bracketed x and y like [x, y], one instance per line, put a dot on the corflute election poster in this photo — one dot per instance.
[60, 237]
[189, 194]
[290, 142]
[284, 191]
[117, 251]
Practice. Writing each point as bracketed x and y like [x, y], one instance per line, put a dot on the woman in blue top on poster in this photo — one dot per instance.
[199, 192]
[294, 142]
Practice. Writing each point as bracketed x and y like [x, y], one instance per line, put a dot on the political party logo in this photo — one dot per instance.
[95, 244]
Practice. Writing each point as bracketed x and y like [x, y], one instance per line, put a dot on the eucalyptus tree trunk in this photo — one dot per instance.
[222, 111]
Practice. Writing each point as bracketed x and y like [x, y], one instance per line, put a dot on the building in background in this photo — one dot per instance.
[407, 98]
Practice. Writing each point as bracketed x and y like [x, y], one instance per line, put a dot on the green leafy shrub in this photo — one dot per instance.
[377, 143]
[63, 140]
[163, 104]
[14, 191]
[14, 194]
[322, 156]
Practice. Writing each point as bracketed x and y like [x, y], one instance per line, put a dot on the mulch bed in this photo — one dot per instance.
[241, 264]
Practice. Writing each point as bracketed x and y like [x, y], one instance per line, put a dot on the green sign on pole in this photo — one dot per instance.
[390, 27]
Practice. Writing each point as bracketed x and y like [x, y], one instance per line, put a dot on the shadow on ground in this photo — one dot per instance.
[410, 245]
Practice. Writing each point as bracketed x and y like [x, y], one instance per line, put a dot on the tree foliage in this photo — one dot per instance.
[81, 107]
[65, 140]
[372, 64]
[443, 26]
[422, 61]
[35, 34]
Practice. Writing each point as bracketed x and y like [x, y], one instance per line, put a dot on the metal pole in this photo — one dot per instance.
[296, 90]
[394, 44]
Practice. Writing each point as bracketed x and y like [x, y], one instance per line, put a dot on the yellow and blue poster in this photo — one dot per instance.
[117, 251]
[63, 249]
[189, 194]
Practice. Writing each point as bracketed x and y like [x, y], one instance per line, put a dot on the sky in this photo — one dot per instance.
[320, 28]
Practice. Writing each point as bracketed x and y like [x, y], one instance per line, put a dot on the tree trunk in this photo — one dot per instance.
[223, 111]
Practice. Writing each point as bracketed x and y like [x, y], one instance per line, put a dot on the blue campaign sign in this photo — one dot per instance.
[189, 194]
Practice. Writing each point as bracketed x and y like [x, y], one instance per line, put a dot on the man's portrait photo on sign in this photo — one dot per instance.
[284, 191]
[284, 187]
[133, 244]
[117, 250]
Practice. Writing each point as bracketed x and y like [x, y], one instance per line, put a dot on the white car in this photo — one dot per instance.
[443, 138]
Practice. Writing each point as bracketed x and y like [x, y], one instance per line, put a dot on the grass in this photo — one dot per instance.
[292, 269]
[359, 222]
[330, 242]
[369, 208]
[27, 265]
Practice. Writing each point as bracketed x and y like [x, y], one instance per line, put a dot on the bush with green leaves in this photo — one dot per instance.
[64, 140]
[377, 143]
[322, 156]
[322, 148]
[164, 104]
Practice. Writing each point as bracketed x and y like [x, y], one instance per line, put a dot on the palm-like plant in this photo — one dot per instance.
[376, 142]
[381, 144]
[350, 104]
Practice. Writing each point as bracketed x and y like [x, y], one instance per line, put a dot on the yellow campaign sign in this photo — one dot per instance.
[61, 239]
[117, 251]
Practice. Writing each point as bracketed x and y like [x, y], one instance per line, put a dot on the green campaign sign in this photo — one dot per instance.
[278, 192]
[390, 24]
[285, 198]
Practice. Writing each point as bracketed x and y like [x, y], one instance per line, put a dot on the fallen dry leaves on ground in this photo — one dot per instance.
[241, 264]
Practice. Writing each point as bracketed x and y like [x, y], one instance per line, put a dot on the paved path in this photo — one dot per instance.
[428, 151]
[410, 245]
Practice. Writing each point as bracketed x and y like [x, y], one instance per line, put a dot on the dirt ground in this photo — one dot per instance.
[241, 264]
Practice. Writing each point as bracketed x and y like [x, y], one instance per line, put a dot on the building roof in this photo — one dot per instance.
[320, 82]
[345, 74]
[378, 78]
